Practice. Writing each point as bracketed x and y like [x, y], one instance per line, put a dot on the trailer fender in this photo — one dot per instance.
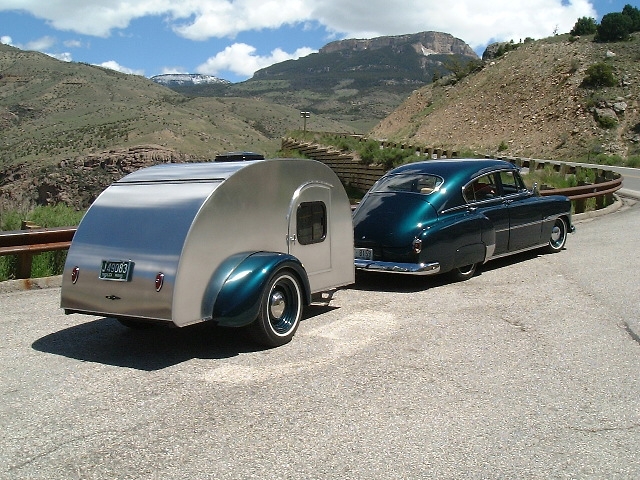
[238, 301]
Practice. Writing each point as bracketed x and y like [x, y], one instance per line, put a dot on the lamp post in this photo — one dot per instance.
[305, 115]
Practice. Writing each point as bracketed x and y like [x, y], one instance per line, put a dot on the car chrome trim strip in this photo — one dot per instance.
[407, 268]
[526, 225]
[515, 252]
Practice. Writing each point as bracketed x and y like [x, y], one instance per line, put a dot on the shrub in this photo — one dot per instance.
[599, 75]
[607, 122]
[584, 26]
[634, 14]
[506, 47]
[614, 27]
[461, 67]
[633, 161]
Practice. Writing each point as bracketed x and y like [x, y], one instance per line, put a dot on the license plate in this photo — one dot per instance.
[118, 270]
[363, 253]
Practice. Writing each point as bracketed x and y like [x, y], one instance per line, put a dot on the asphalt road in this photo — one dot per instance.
[529, 370]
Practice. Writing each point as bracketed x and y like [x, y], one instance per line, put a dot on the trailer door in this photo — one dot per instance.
[309, 227]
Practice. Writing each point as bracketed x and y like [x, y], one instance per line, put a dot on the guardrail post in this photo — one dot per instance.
[601, 201]
[608, 198]
[25, 259]
[580, 203]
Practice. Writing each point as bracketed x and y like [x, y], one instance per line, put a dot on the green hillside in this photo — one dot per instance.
[52, 110]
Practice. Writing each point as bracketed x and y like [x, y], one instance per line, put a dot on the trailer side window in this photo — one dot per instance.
[311, 219]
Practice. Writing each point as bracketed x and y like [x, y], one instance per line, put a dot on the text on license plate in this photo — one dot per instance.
[363, 253]
[119, 270]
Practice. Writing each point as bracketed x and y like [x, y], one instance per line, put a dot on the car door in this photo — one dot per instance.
[308, 237]
[525, 215]
[482, 195]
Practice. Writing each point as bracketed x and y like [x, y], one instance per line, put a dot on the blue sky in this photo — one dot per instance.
[232, 39]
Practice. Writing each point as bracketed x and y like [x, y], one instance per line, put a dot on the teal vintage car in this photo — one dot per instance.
[453, 215]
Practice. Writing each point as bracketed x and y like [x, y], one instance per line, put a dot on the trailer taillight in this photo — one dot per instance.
[159, 281]
[75, 273]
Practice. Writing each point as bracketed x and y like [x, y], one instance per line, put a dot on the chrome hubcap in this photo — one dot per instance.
[277, 304]
[555, 234]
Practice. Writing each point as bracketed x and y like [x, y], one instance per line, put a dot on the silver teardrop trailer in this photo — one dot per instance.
[246, 243]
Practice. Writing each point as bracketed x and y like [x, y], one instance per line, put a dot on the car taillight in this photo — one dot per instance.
[416, 245]
[75, 273]
[159, 281]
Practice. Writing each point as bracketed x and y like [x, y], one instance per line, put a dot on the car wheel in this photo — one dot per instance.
[464, 273]
[558, 236]
[280, 310]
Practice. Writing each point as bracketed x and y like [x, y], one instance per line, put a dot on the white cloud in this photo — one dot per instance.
[6, 40]
[220, 18]
[174, 70]
[40, 44]
[113, 65]
[65, 56]
[242, 60]
[477, 23]
[73, 43]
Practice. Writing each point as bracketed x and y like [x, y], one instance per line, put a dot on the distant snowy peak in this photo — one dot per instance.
[185, 79]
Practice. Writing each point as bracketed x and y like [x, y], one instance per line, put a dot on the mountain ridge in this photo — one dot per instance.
[354, 82]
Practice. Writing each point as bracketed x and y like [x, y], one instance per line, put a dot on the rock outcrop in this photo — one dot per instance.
[77, 182]
[425, 43]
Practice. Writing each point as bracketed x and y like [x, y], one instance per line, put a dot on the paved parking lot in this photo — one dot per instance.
[529, 370]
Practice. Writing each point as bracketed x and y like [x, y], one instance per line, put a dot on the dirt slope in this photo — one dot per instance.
[529, 103]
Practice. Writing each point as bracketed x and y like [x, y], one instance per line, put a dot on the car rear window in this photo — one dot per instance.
[410, 182]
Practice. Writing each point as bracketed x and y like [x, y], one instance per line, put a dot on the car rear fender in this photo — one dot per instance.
[238, 300]
[460, 238]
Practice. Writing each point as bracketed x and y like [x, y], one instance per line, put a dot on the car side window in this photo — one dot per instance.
[482, 188]
[408, 182]
[311, 220]
[511, 182]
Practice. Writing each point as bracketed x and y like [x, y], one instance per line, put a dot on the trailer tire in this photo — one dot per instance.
[280, 310]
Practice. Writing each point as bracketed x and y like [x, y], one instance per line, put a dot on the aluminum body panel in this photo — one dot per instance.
[193, 221]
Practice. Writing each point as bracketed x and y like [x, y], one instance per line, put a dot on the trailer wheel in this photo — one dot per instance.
[280, 310]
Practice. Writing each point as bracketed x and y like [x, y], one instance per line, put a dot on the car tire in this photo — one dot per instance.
[280, 310]
[558, 236]
[464, 273]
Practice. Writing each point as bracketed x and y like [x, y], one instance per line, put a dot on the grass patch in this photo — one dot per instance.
[44, 264]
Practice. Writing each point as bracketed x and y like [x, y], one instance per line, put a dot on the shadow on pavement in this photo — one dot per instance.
[106, 341]
[401, 283]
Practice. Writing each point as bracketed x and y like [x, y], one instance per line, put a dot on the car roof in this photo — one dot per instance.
[456, 173]
[446, 168]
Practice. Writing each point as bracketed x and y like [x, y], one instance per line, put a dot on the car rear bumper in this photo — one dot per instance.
[394, 267]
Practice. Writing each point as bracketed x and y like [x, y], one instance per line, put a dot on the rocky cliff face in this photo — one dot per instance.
[78, 182]
[424, 43]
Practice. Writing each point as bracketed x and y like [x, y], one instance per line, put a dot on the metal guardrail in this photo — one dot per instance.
[602, 191]
[29, 242]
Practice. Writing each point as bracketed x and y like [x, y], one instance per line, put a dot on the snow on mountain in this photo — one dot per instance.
[173, 79]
